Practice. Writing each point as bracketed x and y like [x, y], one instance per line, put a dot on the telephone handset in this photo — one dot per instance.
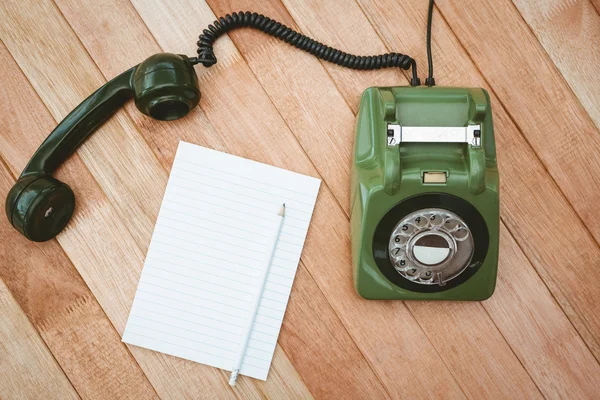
[164, 87]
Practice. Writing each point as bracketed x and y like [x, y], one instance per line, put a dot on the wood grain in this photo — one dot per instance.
[538, 331]
[297, 73]
[28, 369]
[242, 144]
[536, 199]
[276, 100]
[538, 336]
[567, 30]
[198, 375]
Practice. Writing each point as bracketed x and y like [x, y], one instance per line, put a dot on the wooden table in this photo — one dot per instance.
[64, 303]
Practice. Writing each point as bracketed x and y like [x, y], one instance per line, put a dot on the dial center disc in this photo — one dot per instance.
[431, 248]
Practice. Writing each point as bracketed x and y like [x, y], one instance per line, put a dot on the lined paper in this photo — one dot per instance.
[203, 265]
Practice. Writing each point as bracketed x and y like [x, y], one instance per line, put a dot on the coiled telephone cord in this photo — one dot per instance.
[206, 55]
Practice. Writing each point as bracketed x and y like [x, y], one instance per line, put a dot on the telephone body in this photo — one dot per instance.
[425, 195]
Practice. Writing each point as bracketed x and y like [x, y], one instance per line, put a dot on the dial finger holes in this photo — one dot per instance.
[461, 233]
[430, 246]
[421, 221]
[450, 224]
[411, 273]
[407, 229]
[426, 276]
[401, 264]
[400, 240]
[435, 219]
[397, 252]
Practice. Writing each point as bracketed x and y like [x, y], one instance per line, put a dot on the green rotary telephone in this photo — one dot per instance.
[425, 205]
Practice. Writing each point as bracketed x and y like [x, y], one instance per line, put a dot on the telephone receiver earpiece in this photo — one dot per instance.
[164, 87]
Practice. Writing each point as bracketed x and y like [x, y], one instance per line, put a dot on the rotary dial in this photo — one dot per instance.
[431, 246]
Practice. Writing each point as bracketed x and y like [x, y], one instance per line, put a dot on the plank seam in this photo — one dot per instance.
[9, 293]
[43, 325]
[239, 57]
[534, 269]
[131, 122]
[297, 373]
[5, 165]
[404, 304]
[513, 350]
[349, 334]
[100, 187]
[457, 381]
[273, 42]
[404, 73]
[347, 216]
[292, 133]
[56, 122]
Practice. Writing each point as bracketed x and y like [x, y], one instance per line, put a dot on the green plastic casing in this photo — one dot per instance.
[383, 176]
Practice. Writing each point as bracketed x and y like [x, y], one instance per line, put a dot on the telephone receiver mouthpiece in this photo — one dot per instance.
[164, 87]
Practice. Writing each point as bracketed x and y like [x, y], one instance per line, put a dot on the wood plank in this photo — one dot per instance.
[568, 30]
[266, 62]
[326, 331]
[42, 278]
[28, 369]
[554, 121]
[530, 216]
[321, 349]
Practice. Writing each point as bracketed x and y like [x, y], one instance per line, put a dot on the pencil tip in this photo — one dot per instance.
[282, 210]
[233, 377]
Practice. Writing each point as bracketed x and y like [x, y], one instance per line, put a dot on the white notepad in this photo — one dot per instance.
[203, 264]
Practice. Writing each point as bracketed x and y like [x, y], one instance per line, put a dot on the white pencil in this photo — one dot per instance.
[263, 279]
